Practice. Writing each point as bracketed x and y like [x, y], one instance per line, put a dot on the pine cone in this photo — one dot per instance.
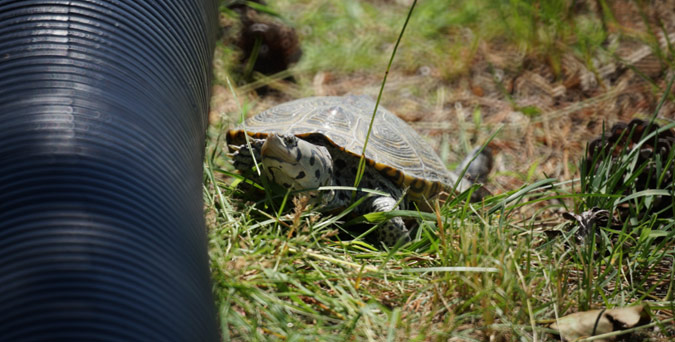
[277, 43]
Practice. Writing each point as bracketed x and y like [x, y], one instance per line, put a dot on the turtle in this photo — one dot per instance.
[318, 141]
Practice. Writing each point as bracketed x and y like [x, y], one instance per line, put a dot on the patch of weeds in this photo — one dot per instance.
[485, 271]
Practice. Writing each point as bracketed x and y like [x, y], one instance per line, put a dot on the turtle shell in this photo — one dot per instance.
[394, 148]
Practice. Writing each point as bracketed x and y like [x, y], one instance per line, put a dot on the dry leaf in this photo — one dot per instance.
[582, 324]
[630, 317]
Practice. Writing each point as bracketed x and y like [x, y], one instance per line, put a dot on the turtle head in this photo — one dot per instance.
[295, 163]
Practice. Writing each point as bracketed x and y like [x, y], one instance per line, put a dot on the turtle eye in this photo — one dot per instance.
[289, 140]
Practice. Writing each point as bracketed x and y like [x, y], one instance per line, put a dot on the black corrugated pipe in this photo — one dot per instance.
[102, 118]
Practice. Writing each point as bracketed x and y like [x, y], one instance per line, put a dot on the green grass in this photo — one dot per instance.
[353, 36]
[495, 270]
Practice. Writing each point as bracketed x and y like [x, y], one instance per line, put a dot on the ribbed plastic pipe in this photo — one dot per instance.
[102, 118]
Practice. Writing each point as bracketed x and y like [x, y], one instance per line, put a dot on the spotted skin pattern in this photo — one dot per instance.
[340, 171]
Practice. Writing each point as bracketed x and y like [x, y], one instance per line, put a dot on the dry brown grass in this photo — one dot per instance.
[546, 100]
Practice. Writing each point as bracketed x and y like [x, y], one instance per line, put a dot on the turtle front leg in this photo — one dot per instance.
[393, 230]
[242, 156]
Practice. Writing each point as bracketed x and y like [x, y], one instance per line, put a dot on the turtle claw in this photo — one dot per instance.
[393, 231]
[242, 157]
